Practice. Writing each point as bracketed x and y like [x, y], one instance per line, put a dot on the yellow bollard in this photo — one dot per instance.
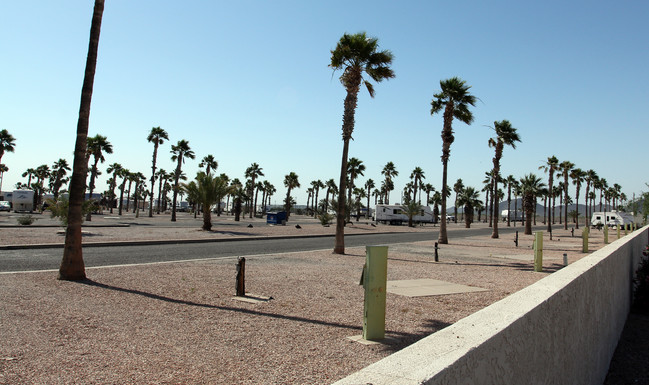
[584, 237]
[538, 251]
[606, 235]
[375, 283]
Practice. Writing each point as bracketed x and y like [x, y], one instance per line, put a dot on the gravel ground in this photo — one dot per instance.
[178, 323]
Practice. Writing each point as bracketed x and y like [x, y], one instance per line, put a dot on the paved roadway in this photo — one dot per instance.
[47, 259]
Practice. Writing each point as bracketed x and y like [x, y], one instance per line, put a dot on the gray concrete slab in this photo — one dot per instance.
[427, 287]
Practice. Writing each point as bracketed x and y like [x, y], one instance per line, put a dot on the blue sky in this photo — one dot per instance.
[248, 81]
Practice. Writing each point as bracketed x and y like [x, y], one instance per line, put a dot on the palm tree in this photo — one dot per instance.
[59, 169]
[157, 136]
[354, 55]
[510, 181]
[209, 162]
[97, 146]
[531, 187]
[355, 168]
[317, 185]
[468, 198]
[7, 143]
[429, 189]
[139, 180]
[565, 168]
[162, 176]
[253, 172]
[457, 188]
[505, 135]
[72, 266]
[389, 171]
[270, 191]
[180, 151]
[331, 188]
[3, 169]
[369, 185]
[417, 175]
[550, 167]
[114, 169]
[207, 190]
[28, 174]
[290, 182]
[126, 176]
[455, 100]
[578, 176]
[590, 178]
[487, 184]
[42, 173]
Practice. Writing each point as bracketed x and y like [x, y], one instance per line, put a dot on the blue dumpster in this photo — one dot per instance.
[278, 218]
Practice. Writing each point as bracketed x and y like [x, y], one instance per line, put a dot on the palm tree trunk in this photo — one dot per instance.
[155, 155]
[72, 266]
[339, 245]
[443, 236]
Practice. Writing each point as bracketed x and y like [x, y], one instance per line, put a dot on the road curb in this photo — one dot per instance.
[175, 241]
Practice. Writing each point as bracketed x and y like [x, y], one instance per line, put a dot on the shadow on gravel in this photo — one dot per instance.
[402, 339]
[512, 265]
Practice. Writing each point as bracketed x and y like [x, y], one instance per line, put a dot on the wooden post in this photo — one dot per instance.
[436, 255]
[241, 277]
[375, 282]
[606, 235]
[538, 251]
[584, 240]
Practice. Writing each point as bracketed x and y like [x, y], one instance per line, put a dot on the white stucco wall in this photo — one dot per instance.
[561, 330]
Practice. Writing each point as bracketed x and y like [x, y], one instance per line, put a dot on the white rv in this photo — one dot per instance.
[23, 200]
[395, 215]
[513, 215]
[610, 218]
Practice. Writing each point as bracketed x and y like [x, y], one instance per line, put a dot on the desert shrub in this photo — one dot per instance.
[325, 219]
[59, 208]
[25, 220]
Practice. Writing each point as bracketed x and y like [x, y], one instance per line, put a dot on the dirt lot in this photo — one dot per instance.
[177, 323]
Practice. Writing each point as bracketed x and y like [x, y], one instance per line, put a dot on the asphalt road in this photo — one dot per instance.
[49, 259]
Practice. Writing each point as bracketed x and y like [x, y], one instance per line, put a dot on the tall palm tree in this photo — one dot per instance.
[270, 191]
[417, 175]
[505, 135]
[72, 266]
[578, 176]
[209, 162]
[97, 146]
[369, 185]
[317, 185]
[487, 188]
[139, 180]
[389, 171]
[355, 168]
[531, 187]
[565, 167]
[510, 181]
[331, 189]
[550, 167]
[3, 169]
[114, 169]
[29, 173]
[354, 55]
[157, 136]
[253, 172]
[590, 178]
[60, 168]
[290, 182]
[42, 173]
[162, 176]
[7, 143]
[455, 100]
[469, 199]
[126, 176]
[180, 151]
[457, 188]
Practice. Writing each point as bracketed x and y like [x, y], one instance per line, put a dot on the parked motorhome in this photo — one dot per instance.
[513, 215]
[395, 215]
[23, 200]
[610, 218]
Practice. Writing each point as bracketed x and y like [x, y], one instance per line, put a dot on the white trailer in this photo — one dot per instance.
[610, 218]
[395, 215]
[23, 201]
[513, 215]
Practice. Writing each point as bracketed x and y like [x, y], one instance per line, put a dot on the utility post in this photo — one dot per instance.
[375, 284]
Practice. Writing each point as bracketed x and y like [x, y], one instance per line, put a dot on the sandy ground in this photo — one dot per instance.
[177, 323]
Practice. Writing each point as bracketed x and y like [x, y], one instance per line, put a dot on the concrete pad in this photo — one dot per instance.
[427, 287]
[360, 340]
[252, 298]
